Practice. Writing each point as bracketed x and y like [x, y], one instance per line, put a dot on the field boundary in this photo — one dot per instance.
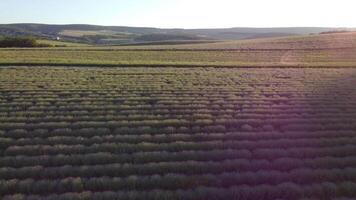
[114, 48]
[4, 65]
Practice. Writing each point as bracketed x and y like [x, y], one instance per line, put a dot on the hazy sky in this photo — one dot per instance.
[183, 13]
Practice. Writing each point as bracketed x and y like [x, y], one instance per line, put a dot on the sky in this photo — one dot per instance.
[183, 13]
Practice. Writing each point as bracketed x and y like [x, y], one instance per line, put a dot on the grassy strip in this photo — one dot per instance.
[61, 43]
[112, 58]
[158, 65]
[123, 49]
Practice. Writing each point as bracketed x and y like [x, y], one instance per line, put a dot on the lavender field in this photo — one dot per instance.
[177, 133]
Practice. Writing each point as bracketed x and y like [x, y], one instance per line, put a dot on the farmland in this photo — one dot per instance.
[256, 58]
[205, 121]
[333, 50]
[61, 44]
[177, 133]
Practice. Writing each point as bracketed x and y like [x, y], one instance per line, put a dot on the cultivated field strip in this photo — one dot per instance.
[177, 133]
[312, 57]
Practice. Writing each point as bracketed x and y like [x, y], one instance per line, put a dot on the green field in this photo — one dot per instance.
[61, 43]
[335, 50]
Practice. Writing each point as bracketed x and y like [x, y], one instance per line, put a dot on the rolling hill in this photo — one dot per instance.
[298, 42]
[94, 34]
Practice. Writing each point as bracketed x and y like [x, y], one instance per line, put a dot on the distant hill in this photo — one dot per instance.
[94, 34]
[321, 41]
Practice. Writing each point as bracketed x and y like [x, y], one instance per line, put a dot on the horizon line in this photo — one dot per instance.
[254, 27]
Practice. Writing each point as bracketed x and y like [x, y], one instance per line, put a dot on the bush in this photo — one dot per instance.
[14, 197]
[246, 127]
[214, 128]
[20, 42]
[17, 133]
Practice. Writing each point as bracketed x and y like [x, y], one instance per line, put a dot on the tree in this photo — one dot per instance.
[20, 42]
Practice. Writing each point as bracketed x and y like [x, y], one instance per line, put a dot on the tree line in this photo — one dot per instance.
[8, 42]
